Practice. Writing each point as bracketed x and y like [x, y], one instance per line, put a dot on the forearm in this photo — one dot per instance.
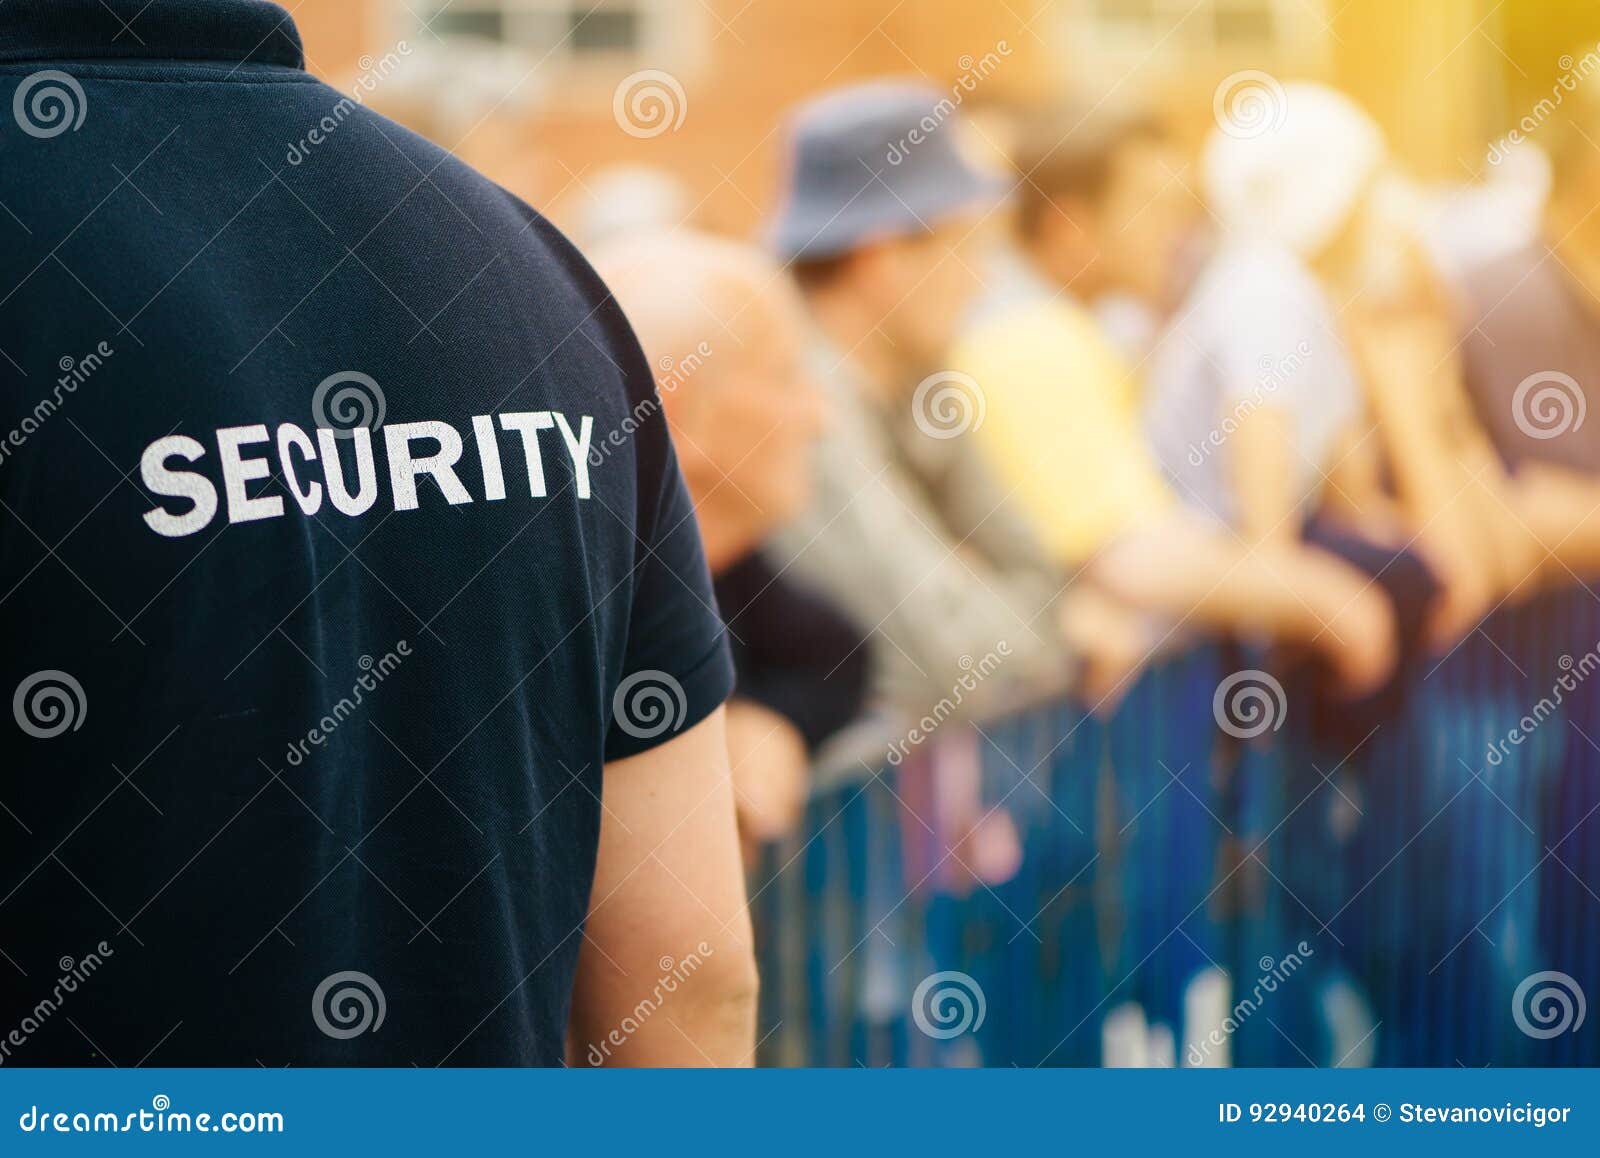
[1427, 473]
[689, 1011]
[1200, 574]
[1260, 459]
[666, 973]
[770, 773]
[1504, 538]
[1563, 511]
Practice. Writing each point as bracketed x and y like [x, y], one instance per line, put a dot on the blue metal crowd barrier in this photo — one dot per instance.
[1412, 882]
[1022, 939]
[1569, 890]
[1440, 919]
[838, 935]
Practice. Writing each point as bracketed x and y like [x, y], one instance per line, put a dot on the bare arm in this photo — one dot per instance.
[666, 975]
[1261, 455]
[770, 773]
[1563, 511]
[1450, 482]
[1187, 569]
[1357, 496]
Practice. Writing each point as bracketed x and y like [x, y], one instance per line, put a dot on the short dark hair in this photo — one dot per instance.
[811, 274]
[818, 273]
[1070, 153]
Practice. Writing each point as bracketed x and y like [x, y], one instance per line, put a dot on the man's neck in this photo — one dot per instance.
[1079, 287]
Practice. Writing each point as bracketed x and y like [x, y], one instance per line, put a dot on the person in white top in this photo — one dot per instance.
[1310, 366]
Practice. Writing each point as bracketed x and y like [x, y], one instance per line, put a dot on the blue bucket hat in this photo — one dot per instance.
[879, 159]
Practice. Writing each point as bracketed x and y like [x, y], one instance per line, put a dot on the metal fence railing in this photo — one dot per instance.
[1336, 889]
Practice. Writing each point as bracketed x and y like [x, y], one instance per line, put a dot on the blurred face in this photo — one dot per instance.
[1146, 218]
[1377, 255]
[918, 288]
[745, 432]
[1132, 238]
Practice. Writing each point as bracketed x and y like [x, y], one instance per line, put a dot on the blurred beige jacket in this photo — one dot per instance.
[912, 536]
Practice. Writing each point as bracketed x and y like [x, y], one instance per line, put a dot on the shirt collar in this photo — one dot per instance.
[221, 30]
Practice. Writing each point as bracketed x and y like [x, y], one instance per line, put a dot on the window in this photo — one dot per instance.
[605, 30]
[480, 24]
[1111, 39]
[1222, 26]
[570, 29]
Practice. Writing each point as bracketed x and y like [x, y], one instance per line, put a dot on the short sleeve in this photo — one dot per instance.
[677, 668]
[1275, 324]
[794, 652]
[1281, 349]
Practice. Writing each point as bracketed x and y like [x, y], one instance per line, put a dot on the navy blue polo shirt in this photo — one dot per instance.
[341, 545]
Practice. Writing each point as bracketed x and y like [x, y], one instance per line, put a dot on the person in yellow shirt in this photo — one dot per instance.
[1044, 365]
[1101, 218]
[1105, 213]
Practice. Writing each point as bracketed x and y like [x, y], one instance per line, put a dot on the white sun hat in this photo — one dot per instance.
[1289, 163]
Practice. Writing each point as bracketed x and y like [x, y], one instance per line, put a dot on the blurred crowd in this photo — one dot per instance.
[1004, 405]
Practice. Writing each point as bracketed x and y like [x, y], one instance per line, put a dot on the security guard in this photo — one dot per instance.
[358, 716]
